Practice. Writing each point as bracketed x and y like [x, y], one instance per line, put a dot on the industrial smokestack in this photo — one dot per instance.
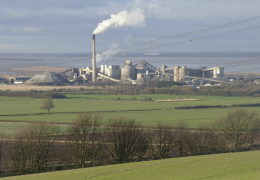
[94, 60]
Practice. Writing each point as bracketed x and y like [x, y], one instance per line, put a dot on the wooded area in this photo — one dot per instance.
[43, 147]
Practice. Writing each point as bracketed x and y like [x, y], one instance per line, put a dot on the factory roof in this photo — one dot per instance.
[46, 77]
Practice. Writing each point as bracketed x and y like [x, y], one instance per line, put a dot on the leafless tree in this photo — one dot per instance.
[126, 139]
[96, 142]
[2, 148]
[151, 148]
[84, 141]
[181, 138]
[19, 149]
[254, 136]
[47, 104]
[31, 147]
[44, 137]
[162, 140]
[236, 128]
[202, 140]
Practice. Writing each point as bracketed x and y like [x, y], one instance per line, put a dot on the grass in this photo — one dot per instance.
[29, 105]
[9, 127]
[161, 97]
[230, 166]
[149, 113]
[194, 117]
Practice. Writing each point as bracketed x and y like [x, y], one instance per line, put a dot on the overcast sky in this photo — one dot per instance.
[66, 26]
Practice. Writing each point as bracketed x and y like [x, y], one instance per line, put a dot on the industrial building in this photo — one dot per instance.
[18, 80]
[138, 73]
[133, 73]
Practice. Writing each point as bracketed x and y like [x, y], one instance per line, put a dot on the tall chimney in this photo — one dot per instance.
[94, 60]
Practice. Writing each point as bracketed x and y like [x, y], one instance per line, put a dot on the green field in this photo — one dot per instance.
[230, 166]
[9, 127]
[149, 113]
[17, 112]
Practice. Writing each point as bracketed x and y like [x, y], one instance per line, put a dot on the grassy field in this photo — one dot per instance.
[9, 127]
[149, 113]
[28, 105]
[194, 117]
[230, 166]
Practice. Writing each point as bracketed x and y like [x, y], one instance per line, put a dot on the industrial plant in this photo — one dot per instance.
[139, 73]
[129, 73]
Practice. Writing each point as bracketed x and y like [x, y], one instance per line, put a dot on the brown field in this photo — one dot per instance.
[41, 69]
[22, 87]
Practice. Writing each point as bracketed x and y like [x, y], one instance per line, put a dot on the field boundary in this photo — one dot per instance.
[218, 106]
[137, 110]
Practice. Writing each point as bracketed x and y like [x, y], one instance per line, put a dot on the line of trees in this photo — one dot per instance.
[33, 94]
[88, 142]
[232, 89]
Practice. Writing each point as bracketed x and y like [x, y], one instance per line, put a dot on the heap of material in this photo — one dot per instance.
[46, 77]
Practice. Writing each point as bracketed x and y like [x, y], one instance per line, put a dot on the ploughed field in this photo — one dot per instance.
[229, 166]
[23, 110]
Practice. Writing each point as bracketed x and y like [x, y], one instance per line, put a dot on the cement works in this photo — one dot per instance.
[138, 73]
[130, 73]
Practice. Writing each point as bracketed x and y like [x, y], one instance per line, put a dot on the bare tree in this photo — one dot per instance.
[126, 139]
[254, 135]
[96, 142]
[202, 140]
[162, 140]
[236, 128]
[2, 155]
[44, 137]
[19, 150]
[181, 138]
[85, 141]
[47, 104]
[31, 148]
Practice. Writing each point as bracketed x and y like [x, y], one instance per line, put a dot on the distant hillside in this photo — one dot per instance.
[230, 166]
[193, 54]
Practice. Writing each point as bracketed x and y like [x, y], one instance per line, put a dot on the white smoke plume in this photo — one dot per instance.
[135, 18]
[108, 53]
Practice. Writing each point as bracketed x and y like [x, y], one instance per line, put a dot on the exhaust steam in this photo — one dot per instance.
[108, 53]
[135, 18]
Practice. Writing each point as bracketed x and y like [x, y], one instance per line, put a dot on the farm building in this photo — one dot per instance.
[18, 80]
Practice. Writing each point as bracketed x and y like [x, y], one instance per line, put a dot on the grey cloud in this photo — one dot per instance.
[27, 20]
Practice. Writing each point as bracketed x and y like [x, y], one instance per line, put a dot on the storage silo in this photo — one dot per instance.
[182, 73]
[176, 73]
[128, 71]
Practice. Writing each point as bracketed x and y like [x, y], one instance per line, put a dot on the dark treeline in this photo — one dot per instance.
[232, 89]
[33, 94]
[164, 87]
[88, 142]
